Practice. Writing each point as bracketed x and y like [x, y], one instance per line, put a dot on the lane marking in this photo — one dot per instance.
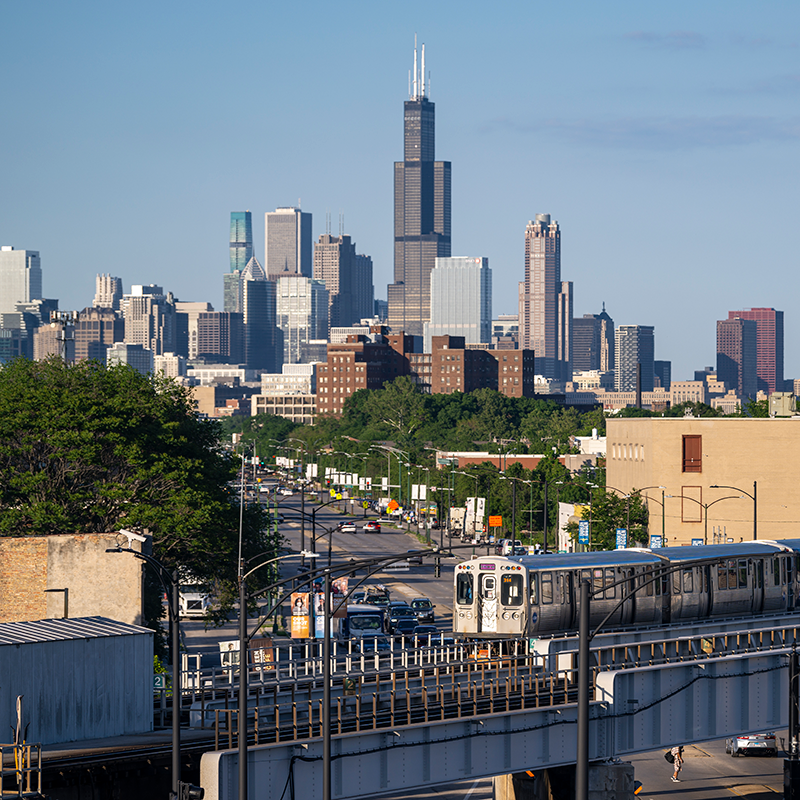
[474, 787]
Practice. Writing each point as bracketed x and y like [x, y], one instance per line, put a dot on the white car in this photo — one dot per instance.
[759, 744]
[348, 527]
[285, 490]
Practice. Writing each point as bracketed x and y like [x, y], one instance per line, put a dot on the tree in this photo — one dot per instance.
[400, 406]
[87, 448]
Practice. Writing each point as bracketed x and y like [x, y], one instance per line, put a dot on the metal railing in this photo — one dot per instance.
[20, 770]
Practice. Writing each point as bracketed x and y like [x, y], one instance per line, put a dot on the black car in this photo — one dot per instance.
[372, 643]
[423, 608]
[405, 627]
[422, 633]
[398, 612]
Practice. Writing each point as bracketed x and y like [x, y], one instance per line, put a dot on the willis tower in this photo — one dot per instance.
[421, 211]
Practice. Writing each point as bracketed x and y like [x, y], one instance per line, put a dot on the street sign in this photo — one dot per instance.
[583, 531]
[365, 504]
[697, 542]
[622, 538]
[656, 540]
[159, 681]
[495, 521]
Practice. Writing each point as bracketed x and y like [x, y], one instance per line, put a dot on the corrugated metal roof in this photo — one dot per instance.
[60, 630]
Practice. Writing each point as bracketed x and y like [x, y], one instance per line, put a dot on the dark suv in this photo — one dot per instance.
[423, 608]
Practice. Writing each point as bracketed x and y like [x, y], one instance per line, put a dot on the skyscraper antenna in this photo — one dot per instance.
[328, 222]
[341, 223]
[416, 74]
[422, 72]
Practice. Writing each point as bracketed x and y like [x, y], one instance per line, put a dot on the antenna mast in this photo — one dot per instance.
[422, 71]
[416, 73]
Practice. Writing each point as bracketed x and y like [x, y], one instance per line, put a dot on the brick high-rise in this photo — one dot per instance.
[737, 355]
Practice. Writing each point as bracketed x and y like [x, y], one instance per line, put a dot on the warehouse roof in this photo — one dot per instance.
[60, 630]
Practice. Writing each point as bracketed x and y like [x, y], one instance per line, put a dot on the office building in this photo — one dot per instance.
[382, 310]
[96, 329]
[134, 355]
[108, 292]
[149, 316]
[461, 301]
[288, 246]
[20, 278]
[56, 338]
[186, 314]
[545, 302]
[170, 365]
[302, 313]
[662, 374]
[737, 355]
[421, 211]
[220, 337]
[769, 346]
[263, 339]
[241, 240]
[347, 277]
[593, 342]
[635, 346]
[13, 343]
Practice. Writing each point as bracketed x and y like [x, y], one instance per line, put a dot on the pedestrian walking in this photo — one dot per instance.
[677, 753]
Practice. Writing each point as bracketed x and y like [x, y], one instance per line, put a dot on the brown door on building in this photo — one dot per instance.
[692, 453]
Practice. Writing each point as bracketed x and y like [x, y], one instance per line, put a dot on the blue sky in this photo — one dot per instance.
[663, 138]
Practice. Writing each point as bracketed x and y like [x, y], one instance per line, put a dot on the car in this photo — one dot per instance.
[381, 600]
[759, 744]
[359, 596]
[413, 557]
[520, 551]
[421, 634]
[401, 611]
[387, 521]
[405, 627]
[373, 527]
[285, 490]
[423, 608]
[348, 527]
[371, 643]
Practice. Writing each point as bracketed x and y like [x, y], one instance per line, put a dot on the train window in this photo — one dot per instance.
[783, 570]
[464, 589]
[547, 588]
[723, 576]
[676, 583]
[647, 582]
[687, 580]
[742, 574]
[731, 574]
[534, 593]
[586, 575]
[776, 572]
[611, 591]
[597, 583]
[511, 590]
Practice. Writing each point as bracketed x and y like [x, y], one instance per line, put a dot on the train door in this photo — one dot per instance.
[627, 609]
[487, 601]
[565, 599]
[758, 586]
[704, 592]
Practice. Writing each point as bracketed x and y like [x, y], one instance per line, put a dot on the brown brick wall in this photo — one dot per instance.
[23, 578]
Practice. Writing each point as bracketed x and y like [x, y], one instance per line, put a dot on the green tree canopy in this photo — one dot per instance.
[87, 448]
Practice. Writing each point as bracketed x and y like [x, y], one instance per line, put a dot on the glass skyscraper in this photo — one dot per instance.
[421, 212]
[241, 242]
[461, 300]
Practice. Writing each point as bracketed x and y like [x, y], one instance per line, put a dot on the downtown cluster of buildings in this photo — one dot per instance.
[300, 333]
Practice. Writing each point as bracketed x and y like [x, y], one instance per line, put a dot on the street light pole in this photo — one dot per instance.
[582, 762]
[753, 497]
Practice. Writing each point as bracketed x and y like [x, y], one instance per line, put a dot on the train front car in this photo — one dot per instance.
[496, 596]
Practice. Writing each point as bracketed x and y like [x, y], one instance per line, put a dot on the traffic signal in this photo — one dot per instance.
[437, 568]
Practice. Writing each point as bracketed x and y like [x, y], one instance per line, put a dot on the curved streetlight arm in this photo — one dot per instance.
[302, 553]
[735, 489]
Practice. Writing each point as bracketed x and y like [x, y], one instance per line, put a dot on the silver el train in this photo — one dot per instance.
[506, 596]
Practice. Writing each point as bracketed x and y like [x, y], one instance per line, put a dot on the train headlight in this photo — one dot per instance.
[515, 615]
[505, 615]
[469, 615]
[461, 614]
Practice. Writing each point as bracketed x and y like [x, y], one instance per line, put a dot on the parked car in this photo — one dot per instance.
[372, 527]
[348, 527]
[499, 546]
[423, 608]
[759, 744]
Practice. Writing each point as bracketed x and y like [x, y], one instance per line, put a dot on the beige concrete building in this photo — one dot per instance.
[690, 456]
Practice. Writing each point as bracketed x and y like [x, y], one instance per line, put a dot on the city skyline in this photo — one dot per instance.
[636, 119]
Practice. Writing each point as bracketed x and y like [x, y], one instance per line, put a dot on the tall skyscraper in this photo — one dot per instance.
[220, 337]
[545, 302]
[186, 314]
[20, 278]
[461, 301]
[769, 346]
[421, 211]
[108, 292]
[241, 241]
[347, 277]
[150, 318]
[263, 340]
[593, 342]
[635, 344]
[288, 246]
[737, 355]
[96, 329]
[302, 313]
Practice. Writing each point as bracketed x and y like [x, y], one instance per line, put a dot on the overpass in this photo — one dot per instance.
[504, 715]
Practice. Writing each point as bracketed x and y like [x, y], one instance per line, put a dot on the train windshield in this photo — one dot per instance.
[511, 590]
[464, 589]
